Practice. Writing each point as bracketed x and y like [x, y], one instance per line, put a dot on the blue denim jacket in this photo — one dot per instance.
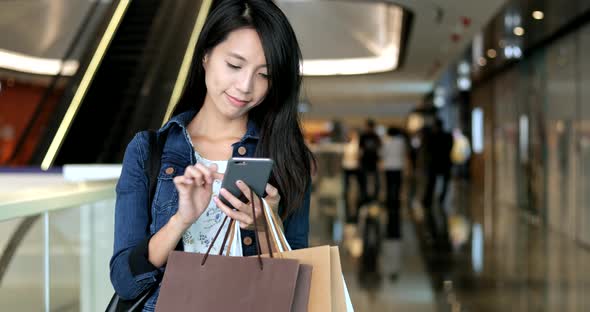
[130, 270]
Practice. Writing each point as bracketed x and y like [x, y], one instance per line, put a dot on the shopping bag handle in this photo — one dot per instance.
[270, 232]
[258, 250]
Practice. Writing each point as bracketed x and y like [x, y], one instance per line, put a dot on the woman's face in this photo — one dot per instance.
[236, 74]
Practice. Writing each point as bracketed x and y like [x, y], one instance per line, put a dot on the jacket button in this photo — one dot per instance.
[247, 240]
[242, 150]
[169, 170]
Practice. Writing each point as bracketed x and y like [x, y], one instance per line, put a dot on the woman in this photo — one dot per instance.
[241, 100]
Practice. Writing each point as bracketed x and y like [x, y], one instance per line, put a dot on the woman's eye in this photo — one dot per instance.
[265, 76]
[230, 65]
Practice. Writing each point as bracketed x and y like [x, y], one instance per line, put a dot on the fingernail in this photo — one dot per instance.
[240, 182]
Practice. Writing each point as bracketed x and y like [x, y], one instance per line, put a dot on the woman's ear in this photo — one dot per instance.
[205, 60]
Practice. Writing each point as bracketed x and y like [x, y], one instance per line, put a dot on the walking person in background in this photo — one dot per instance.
[438, 145]
[350, 168]
[394, 156]
[369, 147]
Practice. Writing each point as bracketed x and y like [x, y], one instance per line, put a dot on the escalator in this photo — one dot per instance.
[109, 103]
[129, 89]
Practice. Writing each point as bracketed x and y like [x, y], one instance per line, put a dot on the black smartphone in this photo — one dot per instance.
[255, 172]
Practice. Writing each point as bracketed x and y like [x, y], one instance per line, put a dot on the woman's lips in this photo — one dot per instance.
[235, 101]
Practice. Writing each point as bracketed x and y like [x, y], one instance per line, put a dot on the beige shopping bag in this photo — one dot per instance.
[328, 291]
[336, 281]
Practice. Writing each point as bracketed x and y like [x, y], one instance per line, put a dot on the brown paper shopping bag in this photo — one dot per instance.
[302, 289]
[227, 284]
[204, 282]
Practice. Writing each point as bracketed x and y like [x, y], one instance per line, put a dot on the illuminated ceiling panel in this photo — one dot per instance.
[346, 38]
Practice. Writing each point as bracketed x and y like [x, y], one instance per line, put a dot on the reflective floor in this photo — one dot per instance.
[522, 267]
[518, 265]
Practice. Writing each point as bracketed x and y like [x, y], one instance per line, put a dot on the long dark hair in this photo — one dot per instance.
[277, 115]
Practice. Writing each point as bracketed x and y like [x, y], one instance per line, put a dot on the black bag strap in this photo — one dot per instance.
[154, 162]
[152, 168]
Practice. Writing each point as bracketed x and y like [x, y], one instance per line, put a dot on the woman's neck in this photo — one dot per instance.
[211, 124]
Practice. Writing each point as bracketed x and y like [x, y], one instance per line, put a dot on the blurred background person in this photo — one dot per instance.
[369, 148]
[394, 156]
[437, 155]
[350, 168]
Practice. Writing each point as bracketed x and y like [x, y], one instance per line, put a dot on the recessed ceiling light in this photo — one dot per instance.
[492, 53]
[538, 15]
[519, 31]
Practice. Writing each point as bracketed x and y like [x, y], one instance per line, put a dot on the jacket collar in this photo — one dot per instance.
[183, 119]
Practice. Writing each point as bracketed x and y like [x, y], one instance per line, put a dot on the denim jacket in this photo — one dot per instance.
[130, 270]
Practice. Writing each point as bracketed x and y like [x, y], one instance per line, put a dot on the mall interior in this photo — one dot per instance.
[479, 194]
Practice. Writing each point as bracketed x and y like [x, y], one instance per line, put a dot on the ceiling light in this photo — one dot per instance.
[517, 52]
[384, 55]
[352, 66]
[519, 31]
[538, 15]
[464, 83]
[492, 53]
[509, 52]
[463, 68]
[482, 61]
[36, 65]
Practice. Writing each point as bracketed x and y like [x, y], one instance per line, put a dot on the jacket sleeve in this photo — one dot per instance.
[297, 225]
[130, 270]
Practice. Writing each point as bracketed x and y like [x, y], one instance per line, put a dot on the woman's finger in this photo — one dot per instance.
[206, 172]
[272, 196]
[272, 191]
[246, 190]
[193, 173]
[234, 201]
[245, 219]
[182, 184]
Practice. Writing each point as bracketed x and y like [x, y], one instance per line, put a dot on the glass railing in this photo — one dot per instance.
[56, 240]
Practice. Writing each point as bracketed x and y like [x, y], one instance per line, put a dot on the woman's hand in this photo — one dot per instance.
[272, 198]
[194, 191]
[244, 210]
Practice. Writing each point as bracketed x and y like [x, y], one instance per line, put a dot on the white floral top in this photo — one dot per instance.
[198, 237]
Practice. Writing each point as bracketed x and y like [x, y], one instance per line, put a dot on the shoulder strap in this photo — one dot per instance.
[156, 143]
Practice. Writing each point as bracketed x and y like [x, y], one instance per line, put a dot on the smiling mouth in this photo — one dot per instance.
[236, 100]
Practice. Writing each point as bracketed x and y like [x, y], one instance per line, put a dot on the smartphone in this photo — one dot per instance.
[255, 172]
